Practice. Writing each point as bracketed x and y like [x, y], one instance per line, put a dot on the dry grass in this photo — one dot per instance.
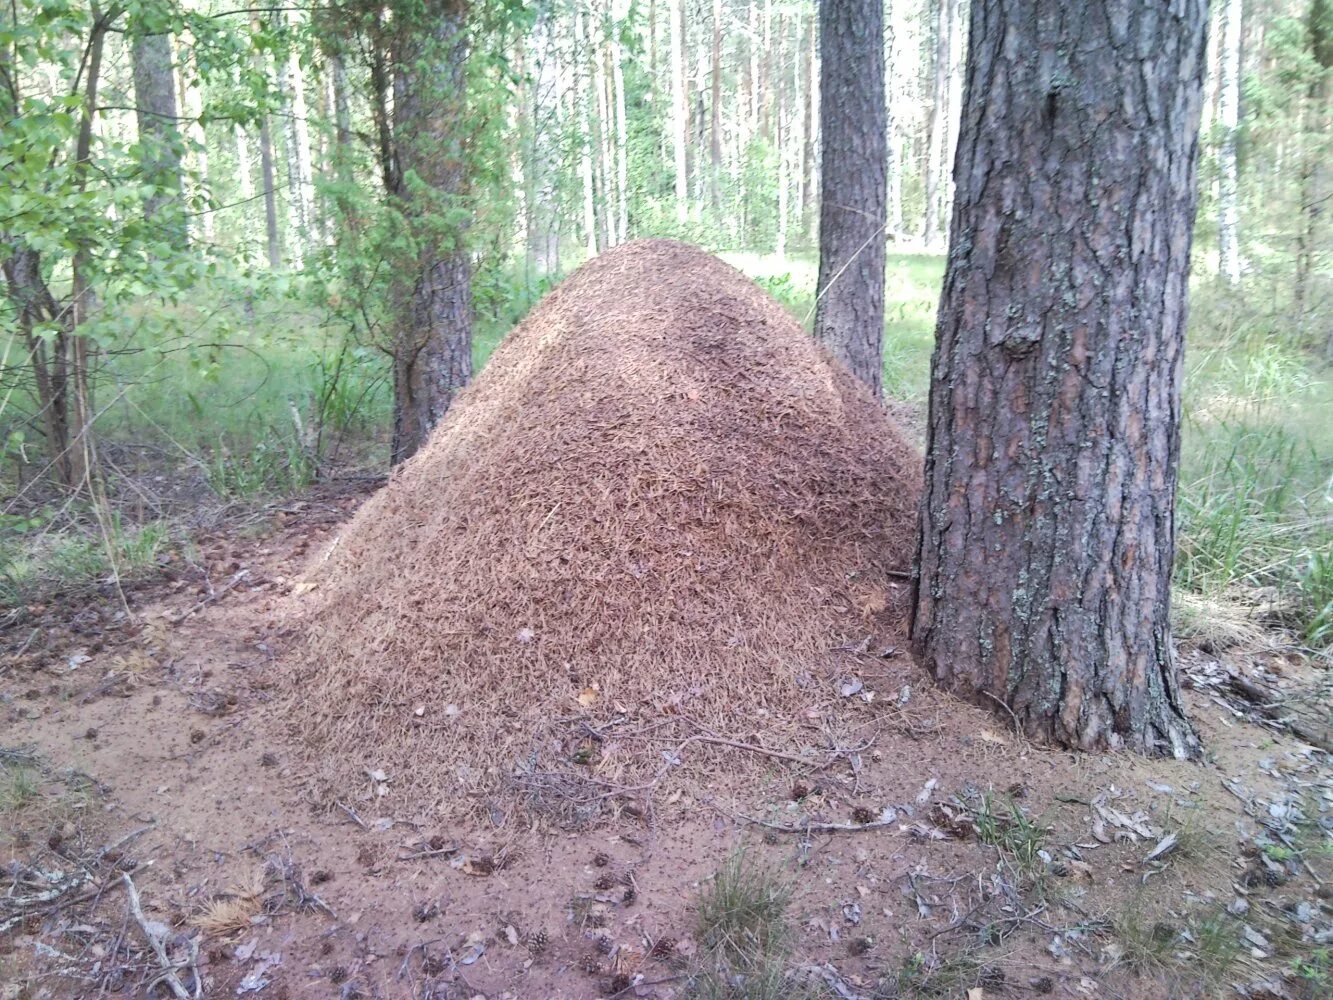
[231, 912]
[659, 498]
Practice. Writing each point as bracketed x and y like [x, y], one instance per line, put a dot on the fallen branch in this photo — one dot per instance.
[169, 968]
[810, 827]
[226, 588]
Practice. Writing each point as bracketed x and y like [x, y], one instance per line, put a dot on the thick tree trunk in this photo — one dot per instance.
[1047, 525]
[849, 310]
[159, 133]
[433, 348]
[679, 108]
[1228, 120]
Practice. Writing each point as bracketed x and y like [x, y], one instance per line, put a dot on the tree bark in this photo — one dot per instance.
[159, 134]
[849, 309]
[1228, 120]
[433, 344]
[1047, 525]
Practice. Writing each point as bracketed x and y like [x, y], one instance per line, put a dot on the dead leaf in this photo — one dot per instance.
[1164, 846]
[588, 697]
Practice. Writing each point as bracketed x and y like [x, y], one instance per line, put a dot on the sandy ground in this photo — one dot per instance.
[143, 752]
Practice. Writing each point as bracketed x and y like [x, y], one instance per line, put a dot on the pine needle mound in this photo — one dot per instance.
[659, 501]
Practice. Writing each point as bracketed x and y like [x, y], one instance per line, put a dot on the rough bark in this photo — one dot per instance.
[159, 134]
[433, 347]
[1047, 525]
[849, 311]
[1228, 121]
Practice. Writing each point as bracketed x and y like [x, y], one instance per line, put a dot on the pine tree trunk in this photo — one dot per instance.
[1228, 223]
[679, 109]
[159, 134]
[849, 310]
[433, 347]
[1054, 424]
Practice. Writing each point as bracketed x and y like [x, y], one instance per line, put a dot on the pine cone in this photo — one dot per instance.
[604, 882]
[631, 894]
[601, 860]
[663, 947]
[538, 941]
[604, 944]
[619, 984]
[862, 815]
[590, 965]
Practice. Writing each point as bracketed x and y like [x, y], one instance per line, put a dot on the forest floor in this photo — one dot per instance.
[159, 832]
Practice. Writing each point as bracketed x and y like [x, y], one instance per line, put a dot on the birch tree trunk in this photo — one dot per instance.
[715, 110]
[1228, 121]
[849, 309]
[1047, 526]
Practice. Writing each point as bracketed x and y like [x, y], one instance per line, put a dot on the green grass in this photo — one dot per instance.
[743, 912]
[18, 787]
[745, 936]
[34, 563]
[1019, 840]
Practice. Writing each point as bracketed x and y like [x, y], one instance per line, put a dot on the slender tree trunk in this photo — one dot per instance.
[814, 135]
[893, 71]
[715, 110]
[158, 118]
[1047, 526]
[583, 40]
[266, 170]
[849, 310]
[433, 349]
[1228, 120]
[1317, 180]
[606, 170]
[807, 113]
[938, 127]
[622, 134]
[197, 179]
[679, 109]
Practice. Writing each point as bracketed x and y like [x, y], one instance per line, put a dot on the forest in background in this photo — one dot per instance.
[208, 212]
